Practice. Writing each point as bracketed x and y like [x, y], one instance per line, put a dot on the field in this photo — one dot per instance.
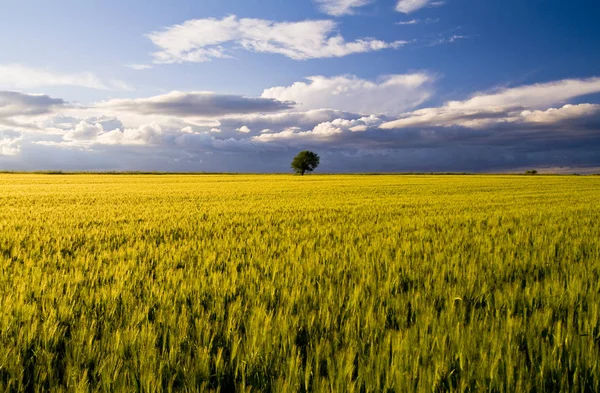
[296, 284]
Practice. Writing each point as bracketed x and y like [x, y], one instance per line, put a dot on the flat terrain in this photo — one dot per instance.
[290, 284]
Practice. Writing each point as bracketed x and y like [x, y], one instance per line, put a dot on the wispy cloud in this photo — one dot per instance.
[448, 40]
[21, 77]
[341, 7]
[201, 40]
[139, 67]
[418, 21]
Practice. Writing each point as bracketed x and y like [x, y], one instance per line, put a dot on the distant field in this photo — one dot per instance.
[295, 284]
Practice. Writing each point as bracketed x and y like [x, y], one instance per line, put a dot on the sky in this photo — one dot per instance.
[244, 85]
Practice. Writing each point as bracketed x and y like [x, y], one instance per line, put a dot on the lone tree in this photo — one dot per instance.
[305, 161]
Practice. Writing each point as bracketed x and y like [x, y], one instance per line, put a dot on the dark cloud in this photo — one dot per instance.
[452, 150]
[197, 104]
[20, 104]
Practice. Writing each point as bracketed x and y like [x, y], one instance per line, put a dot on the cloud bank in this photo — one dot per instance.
[502, 129]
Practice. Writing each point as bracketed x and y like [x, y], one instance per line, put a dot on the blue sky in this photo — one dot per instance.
[393, 85]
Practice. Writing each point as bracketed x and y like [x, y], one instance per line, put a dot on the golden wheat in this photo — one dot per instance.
[290, 284]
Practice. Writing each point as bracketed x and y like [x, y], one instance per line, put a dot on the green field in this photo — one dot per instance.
[297, 284]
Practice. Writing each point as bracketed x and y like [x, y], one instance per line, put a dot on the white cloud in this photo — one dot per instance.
[358, 125]
[208, 143]
[340, 7]
[390, 95]
[532, 96]
[503, 105]
[244, 129]
[306, 120]
[10, 145]
[408, 6]
[148, 134]
[85, 131]
[201, 40]
[555, 115]
[139, 67]
[21, 77]
[321, 132]
[324, 131]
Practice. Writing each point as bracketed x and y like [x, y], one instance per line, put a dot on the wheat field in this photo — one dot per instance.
[149, 283]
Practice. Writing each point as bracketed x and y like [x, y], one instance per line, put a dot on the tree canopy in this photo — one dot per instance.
[305, 161]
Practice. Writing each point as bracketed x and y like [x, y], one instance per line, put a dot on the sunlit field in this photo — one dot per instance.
[297, 284]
